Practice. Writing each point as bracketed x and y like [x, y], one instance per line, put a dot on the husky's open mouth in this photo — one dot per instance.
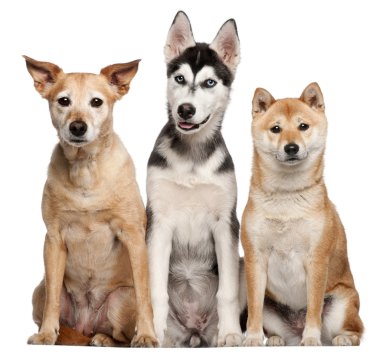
[190, 126]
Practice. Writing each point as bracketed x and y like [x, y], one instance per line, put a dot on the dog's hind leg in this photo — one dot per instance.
[278, 331]
[341, 324]
[121, 315]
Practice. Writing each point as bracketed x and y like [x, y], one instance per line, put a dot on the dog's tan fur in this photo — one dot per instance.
[96, 268]
[289, 214]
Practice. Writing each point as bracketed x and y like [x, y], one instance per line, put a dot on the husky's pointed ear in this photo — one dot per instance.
[313, 97]
[44, 74]
[261, 101]
[180, 37]
[227, 45]
[120, 75]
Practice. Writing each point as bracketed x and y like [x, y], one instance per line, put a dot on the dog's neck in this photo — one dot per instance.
[198, 146]
[193, 147]
[83, 162]
[270, 178]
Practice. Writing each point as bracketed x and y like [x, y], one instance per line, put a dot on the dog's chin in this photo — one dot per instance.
[191, 128]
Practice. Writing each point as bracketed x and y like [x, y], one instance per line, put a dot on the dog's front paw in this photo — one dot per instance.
[43, 338]
[144, 341]
[311, 341]
[275, 341]
[230, 340]
[253, 341]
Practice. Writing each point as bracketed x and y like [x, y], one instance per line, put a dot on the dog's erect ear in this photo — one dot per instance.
[313, 97]
[261, 102]
[120, 75]
[180, 37]
[227, 44]
[44, 74]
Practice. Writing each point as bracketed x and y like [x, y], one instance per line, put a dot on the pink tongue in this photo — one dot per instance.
[186, 125]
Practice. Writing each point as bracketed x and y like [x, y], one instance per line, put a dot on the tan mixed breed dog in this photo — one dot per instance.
[96, 268]
[299, 284]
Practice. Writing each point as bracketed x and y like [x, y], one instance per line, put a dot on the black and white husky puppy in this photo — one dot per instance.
[192, 226]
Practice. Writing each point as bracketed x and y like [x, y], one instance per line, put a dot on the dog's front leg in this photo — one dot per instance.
[134, 239]
[55, 260]
[226, 246]
[316, 269]
[159, 249]
[256, 279]
[256, 267]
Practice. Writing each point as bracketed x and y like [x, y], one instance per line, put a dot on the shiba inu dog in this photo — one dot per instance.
[193, 231]
[299, 284]
[96, 265]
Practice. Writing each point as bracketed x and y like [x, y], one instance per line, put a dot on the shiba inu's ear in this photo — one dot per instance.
[313, 97]
[120, 75]
[180, 37]
[44, 74]
[227, 45]
[261, 101]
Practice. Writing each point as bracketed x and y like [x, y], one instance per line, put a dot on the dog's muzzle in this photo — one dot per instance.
[184, 125]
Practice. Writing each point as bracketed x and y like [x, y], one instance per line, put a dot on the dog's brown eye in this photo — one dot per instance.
[275, 129]
[64, 101]
[96, 102]
[303, 126]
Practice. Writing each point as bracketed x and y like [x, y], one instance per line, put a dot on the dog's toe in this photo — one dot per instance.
[275, 341]
[345, 340]
[144, 341]
[311, 341]
[231, 340]
[253, 341]
[102, 340]
[43, 338]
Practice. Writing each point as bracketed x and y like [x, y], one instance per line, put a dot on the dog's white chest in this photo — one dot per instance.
[190, 199]
[287, 277]
[287, 232]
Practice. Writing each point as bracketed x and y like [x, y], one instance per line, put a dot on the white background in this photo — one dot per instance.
[285, 45]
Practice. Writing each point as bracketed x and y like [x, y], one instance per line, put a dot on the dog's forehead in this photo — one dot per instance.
[198, 57]
[291, 108]
[82, 83]
[204, 73]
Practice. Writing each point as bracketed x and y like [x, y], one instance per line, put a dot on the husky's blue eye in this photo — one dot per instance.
[180, 79]
[209, 83]
[275, 129]
[303, 127]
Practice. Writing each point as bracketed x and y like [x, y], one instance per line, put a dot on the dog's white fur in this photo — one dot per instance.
[192, 202]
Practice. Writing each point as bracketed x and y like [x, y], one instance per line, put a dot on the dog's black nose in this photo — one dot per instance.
[78, 128]
[186, 111]
[291, 149]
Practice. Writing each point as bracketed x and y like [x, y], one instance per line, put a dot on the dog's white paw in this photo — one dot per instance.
[254, 340]
[230, 340]
[275, 341]
[311, 341]
[342, 340]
